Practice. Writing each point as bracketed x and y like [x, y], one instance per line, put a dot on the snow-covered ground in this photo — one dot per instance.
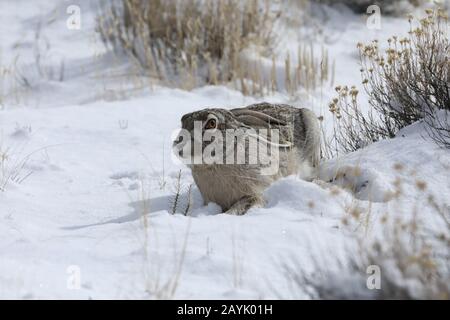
[92, 178]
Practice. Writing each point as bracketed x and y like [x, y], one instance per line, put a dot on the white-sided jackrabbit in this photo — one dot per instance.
[276, 140]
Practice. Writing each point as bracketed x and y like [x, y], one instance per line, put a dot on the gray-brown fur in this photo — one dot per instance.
[237, 187]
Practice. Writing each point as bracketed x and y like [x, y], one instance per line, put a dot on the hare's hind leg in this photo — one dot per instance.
[244, 204]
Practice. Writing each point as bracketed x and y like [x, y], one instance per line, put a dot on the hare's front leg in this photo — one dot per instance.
[245, 203]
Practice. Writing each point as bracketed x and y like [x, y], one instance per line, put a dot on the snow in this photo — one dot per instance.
[94, 179]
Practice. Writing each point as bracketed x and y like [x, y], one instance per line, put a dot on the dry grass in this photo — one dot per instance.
[12, 166]
[11, 83]
[188, 44]
[157, 284]
[176, 194]
[237, 262]
[182, 42]
[162, 278]
[17, 79]
[181, 200]
[309, 71]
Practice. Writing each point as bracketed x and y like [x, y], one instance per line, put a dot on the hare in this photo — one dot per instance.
[235, 154]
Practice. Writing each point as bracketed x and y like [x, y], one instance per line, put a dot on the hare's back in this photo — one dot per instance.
[305, 125]
[282, 112]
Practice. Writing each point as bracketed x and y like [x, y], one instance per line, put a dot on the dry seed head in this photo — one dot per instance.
[345, 221]
[357, 171]
[421, 185]
[354, 92]
[389, 195]
[442, 14]
[397, 182]
[335, 191]
[355, 212]
[332, 107]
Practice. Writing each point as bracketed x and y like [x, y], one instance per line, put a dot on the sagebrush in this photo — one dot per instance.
[407, 82]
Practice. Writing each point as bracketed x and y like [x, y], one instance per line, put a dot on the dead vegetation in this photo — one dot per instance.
[188, 44]
[409, 255]
[407, 82]
[13, 166]
[161, 279]
[12, 84]
[182, 42]
[181, 200]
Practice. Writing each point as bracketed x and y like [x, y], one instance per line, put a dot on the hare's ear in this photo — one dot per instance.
[251, 117]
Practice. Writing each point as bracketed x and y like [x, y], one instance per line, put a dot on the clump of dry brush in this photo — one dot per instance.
[184, 40]
[190, 43]
[407, 82]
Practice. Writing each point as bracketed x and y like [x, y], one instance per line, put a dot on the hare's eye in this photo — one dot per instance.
[211, 124]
